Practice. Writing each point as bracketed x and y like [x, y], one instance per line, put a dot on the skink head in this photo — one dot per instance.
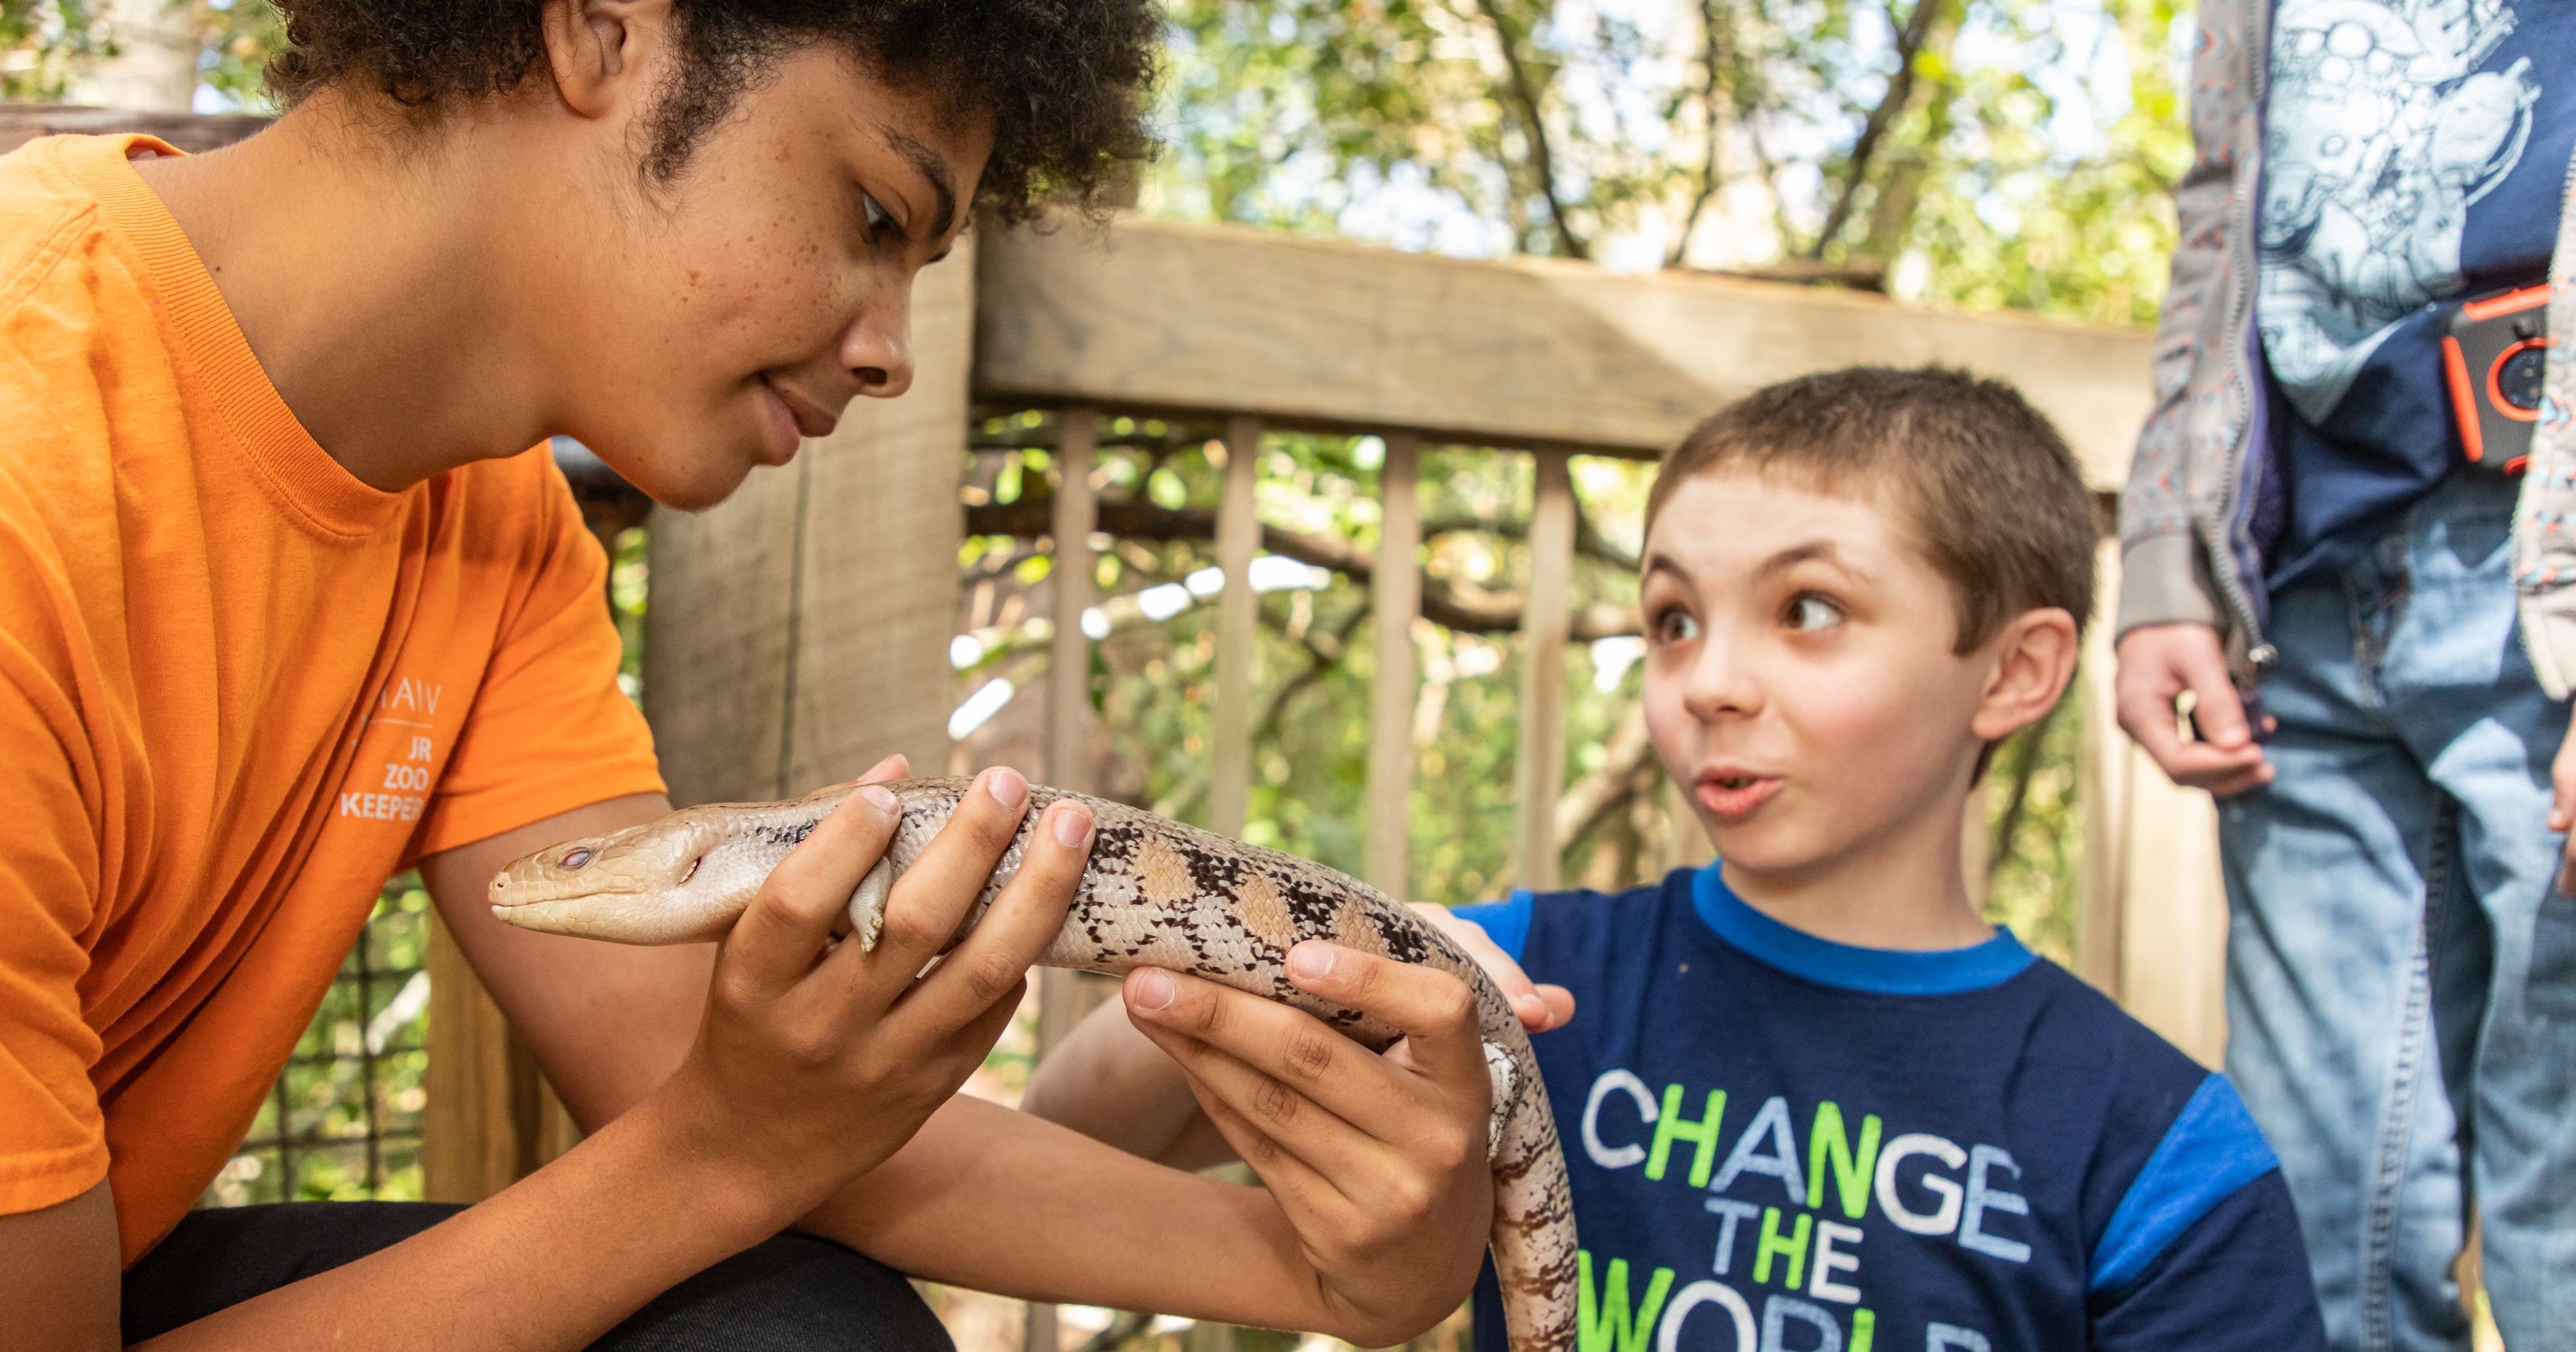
[648, 884]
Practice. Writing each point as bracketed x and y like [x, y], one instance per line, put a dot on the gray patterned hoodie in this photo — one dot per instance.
[2185, 545]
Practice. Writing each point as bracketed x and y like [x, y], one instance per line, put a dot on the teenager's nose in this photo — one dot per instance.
[878, 350]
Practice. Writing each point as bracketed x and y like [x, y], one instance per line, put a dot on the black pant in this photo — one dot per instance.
[787, 1295]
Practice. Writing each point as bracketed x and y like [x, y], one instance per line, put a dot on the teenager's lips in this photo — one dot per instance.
[791, 419]
[810, 418]
[779, 434]
[1733, 794]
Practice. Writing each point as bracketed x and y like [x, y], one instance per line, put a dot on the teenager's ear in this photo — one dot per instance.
[2034, 658]
[599, 51]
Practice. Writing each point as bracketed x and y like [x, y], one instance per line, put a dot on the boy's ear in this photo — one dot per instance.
[2034, 658]
[597, 49]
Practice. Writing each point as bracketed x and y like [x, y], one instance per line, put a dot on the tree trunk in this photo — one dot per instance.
[155, 66]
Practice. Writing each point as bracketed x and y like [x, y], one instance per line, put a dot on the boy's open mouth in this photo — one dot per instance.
[1734, 793]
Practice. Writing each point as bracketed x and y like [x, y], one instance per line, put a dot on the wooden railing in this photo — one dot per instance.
[1257, 330]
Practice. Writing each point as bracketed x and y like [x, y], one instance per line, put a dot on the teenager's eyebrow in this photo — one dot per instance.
[934, 170]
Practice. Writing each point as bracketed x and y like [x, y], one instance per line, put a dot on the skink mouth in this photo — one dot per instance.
[508, 894]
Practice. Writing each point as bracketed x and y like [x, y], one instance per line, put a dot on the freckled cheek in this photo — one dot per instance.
[779, 315]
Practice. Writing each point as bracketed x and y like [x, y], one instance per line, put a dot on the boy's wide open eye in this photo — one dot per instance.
[1812, 613]
[1672, 624]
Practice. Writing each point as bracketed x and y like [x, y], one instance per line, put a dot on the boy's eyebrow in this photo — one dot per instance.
[933, 169]
[1813, 551]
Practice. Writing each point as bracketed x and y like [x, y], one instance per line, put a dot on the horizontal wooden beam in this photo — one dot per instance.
[191, 132]
[1507, 352]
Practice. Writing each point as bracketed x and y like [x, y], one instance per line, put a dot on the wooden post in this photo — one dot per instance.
[1541, 770]
[2160, 870]
[489, 1118]
[1238, 532]
[469, 1140]
[2102, 763]
[1395, 601]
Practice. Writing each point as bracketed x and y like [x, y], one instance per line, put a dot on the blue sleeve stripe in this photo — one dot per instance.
[1506, 922]
[2212, 1149]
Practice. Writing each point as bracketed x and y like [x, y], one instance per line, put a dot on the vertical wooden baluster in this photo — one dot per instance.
[1395, 599]
[1068, 757]
[1069, 678]
[1238, 536]
[1238, 532]
[1544, 618]
[1068, 720]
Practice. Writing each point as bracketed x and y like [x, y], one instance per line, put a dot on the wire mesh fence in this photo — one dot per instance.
[342, 1122]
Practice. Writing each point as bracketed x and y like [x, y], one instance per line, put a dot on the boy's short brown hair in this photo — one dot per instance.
[1989, 488]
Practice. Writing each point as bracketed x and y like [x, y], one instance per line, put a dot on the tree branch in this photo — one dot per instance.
[2025, 768]
[1124, 1329]
[1598, 796]
[1900, 91]
[1443, 603]
[1323, 651]
[1716, 33]
[1524, 94]
[1588, 540]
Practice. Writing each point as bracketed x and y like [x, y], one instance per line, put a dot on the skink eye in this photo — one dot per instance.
[576, 858]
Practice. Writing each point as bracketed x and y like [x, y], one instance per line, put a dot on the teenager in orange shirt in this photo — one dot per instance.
[285, 606]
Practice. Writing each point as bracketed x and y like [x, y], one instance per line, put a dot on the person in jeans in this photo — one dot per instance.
[2377, 634]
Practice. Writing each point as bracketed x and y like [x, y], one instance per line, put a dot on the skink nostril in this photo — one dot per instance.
[691, 871]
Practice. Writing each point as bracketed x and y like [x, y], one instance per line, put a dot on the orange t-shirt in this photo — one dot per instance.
[238, 690]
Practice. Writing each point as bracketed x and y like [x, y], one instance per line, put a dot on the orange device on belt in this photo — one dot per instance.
[2494, 357]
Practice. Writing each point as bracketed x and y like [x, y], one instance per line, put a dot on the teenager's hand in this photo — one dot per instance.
[1540, 1007]
[2562, 807]
[816, 1060]
[2158, 663]
[1378, 1161]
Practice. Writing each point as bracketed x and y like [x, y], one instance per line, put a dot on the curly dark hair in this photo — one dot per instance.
[1065, 82]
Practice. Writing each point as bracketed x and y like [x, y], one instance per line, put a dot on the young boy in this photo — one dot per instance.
[1814, 1100]
[269, 528]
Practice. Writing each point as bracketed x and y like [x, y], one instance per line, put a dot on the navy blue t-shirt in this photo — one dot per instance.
[1783, 1144]
[2415, 155]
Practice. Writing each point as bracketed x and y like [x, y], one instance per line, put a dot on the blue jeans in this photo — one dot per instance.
[2401, 983]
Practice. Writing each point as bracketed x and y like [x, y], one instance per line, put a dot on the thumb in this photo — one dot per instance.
[2216, 710]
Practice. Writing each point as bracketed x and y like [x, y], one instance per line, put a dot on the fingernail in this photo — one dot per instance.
[1072, 825]
[1156, 990]
[1311, 959]
[879, 797]
[1007, 788]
